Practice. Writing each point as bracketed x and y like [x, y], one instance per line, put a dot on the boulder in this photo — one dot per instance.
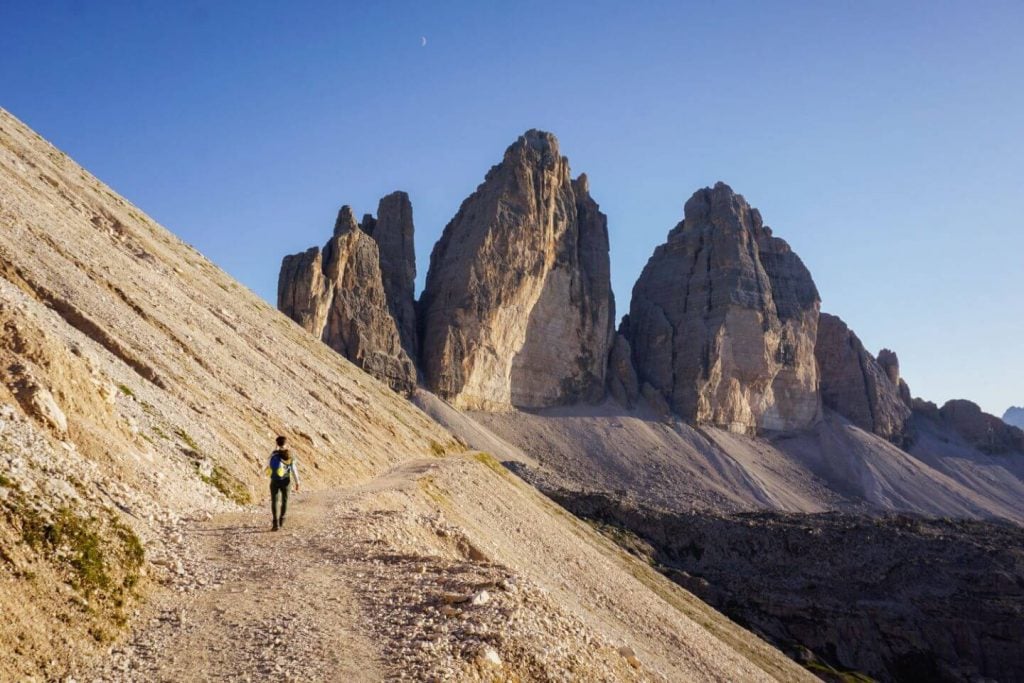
[723, 320]
[865, 390]
[518, 308]
[338, 294]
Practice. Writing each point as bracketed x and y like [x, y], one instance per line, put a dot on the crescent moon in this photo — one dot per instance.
[423, 41]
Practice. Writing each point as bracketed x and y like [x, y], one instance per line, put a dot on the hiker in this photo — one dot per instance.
[281, 468]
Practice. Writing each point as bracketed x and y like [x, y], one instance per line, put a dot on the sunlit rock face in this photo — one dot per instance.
[724, 318]
[392, 230]
[339, 295]
[518, 309]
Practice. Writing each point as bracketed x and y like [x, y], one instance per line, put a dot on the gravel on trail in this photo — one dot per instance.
[341, 593]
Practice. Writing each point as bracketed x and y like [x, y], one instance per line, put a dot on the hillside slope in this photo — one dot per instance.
[141, 389]
[142, 385]
[670, 464]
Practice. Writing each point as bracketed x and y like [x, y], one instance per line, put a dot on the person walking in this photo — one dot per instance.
[281, 468]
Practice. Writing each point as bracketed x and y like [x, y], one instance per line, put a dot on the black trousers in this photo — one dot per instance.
[279, 486]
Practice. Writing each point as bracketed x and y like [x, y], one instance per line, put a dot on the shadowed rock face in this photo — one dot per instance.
[339, 295]
[622, 381]
[898, 598]
[518, 309]
[979, 429]
[866, 391]
[724, 318]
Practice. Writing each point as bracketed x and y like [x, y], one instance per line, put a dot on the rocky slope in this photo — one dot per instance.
[518, 309]
[974, 427]
[668, 463]
[142, 389]
[896, 598]
[865, 390]
[349, 293]
[723, 321]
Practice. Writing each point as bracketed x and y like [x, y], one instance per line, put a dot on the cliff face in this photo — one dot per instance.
[339, 295]
[518, 309]
[979, 429]
[392, 230]
[865, 390]
[723, 320]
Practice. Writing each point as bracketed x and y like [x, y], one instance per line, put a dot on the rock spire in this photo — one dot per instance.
[518, 308]
[341, 294]
[723, 321]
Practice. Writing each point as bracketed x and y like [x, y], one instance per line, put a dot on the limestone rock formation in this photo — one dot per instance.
[339, 295]
[392, 230]
[890, 362]
[518, 308]
[983, 431]
[865, 390]
[724, 318]
[623, 385]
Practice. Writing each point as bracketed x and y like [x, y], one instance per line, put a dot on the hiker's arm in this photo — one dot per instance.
[295, 473]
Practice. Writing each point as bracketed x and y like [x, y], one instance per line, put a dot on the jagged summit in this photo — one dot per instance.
[517, 309]
[356, 294]
[723, 320]
[865, 390]
[539, 140]
[346, 221]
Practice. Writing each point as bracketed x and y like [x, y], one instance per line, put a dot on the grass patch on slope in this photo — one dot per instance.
[491, 463]
[228, 485]
[98, 556]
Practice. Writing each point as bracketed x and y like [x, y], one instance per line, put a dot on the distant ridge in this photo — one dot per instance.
[1014, 415]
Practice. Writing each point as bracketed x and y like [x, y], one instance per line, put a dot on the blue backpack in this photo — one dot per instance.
[280, 466]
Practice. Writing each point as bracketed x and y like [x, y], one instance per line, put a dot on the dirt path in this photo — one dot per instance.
[253, 604]
[344, 592]
[412, 576]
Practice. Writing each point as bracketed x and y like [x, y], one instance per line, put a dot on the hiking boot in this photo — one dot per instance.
[275, 527]
[280, 524]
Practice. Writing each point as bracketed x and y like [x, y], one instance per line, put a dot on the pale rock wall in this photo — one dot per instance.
[517, 309]
[723, 321]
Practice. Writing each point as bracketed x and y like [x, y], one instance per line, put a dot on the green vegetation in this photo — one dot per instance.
[184, 436]
[433, 490]
[437, 449]
[5, 482]
[832, 674]
[491, 462]
[228, 485]
[100, 558]
[159, 432]
[126, 390]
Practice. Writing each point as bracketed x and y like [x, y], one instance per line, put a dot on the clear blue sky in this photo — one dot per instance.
[883, 140]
